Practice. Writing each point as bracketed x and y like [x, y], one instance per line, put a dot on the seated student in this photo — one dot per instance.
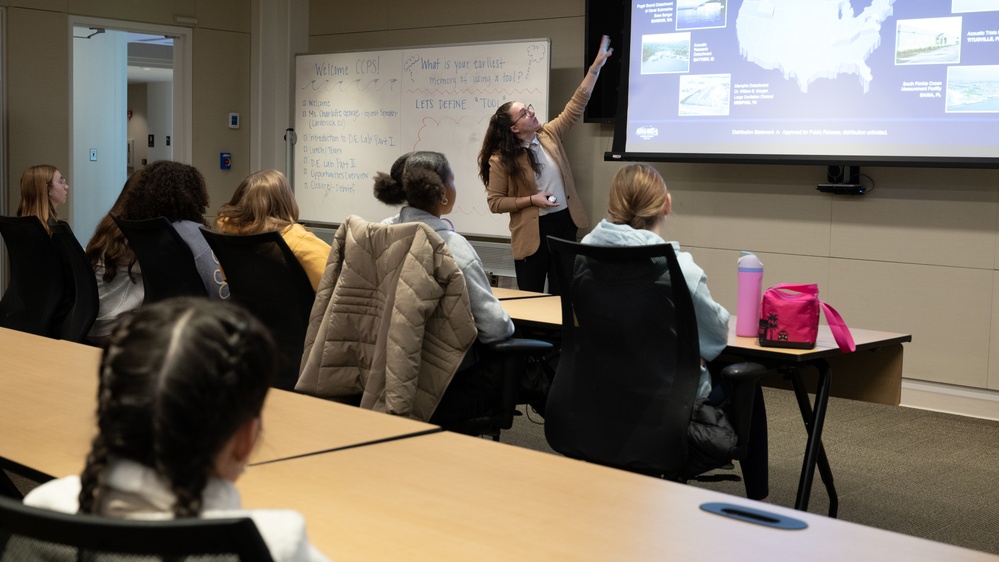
[424, 183]
[638, 207]
[264, 202]
[119, 279]
[43, 188]
[182, 385]
[177, 191]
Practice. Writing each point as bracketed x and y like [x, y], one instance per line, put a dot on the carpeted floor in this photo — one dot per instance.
[911, 471]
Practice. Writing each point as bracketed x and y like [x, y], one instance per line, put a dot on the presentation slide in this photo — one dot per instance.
[857, 80]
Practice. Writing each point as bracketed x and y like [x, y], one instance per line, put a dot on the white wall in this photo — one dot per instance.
[280, 31]
[99, 99]
[159, 119]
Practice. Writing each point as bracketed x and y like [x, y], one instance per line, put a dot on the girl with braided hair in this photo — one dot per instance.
[182, 386]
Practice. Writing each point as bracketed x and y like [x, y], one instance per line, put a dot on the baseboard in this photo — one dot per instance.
[938, 397]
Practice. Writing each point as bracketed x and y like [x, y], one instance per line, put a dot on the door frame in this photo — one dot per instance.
[182, 75]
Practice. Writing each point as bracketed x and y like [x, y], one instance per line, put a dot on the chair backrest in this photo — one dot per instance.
[28, 533]
[35, 291]
[626, 380]
[168, 268]
[267, 279]
[79, 285]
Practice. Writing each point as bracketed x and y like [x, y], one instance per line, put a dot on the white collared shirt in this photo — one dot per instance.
[550, 178]
[282, 530]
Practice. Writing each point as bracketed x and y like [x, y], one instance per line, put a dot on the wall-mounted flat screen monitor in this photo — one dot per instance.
[894, 82]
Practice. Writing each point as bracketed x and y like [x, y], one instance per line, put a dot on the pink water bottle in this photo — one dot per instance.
[750, 290]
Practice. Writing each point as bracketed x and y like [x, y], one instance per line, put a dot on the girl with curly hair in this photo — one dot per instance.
[177, 191]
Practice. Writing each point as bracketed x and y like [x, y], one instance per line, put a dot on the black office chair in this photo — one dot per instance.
[35, 291]
[168, 268]
[265, 277]
[28, 533]
[508, 360]
[81, 300]
[624, 389]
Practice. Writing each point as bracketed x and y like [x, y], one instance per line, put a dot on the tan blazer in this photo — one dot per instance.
[391, 321]
[502, 192]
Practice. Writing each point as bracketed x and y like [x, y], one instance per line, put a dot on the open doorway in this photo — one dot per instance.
[131, 98]
[150, 100]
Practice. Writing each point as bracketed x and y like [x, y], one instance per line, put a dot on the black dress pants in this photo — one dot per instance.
[534, 269]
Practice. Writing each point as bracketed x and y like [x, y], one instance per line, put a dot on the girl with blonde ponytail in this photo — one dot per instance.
[637, 211]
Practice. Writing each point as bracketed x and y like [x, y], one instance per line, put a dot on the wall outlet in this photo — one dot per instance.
[93, 155]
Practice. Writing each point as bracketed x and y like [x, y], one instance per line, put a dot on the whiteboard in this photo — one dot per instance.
[357, 112]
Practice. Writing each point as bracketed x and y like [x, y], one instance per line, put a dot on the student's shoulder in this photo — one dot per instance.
[283, 530]
[60, 494]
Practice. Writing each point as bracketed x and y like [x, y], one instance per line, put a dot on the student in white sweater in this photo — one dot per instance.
[182, 386]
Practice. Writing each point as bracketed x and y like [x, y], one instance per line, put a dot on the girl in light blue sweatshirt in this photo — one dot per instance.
[637, 210]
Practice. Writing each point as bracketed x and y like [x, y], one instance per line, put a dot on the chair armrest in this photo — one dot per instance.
[741, 373]
[519, 345]
[742, 389]
[513, 353]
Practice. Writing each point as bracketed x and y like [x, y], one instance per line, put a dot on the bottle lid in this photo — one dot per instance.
[749, 262]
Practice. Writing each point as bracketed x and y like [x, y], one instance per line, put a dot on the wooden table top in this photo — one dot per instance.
[547, 312]
[48, 403]
[504, 294]
[542, 311]
[296, 424]
[451, 497]
[825, 344]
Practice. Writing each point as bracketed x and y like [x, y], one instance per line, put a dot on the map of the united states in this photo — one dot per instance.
[811, 39]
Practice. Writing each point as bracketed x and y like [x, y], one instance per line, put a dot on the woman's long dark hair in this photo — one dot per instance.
[177, 381]
[500, 140]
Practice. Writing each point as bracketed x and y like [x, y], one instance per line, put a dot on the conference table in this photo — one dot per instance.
[875, 368]
[374, 487]
[877, 361]
[48, 402]
[48, 406]
[447, 497]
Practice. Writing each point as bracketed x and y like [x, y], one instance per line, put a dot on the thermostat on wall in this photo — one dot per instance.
[233, 120]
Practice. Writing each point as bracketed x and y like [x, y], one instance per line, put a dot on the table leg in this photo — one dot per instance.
[815, 454]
